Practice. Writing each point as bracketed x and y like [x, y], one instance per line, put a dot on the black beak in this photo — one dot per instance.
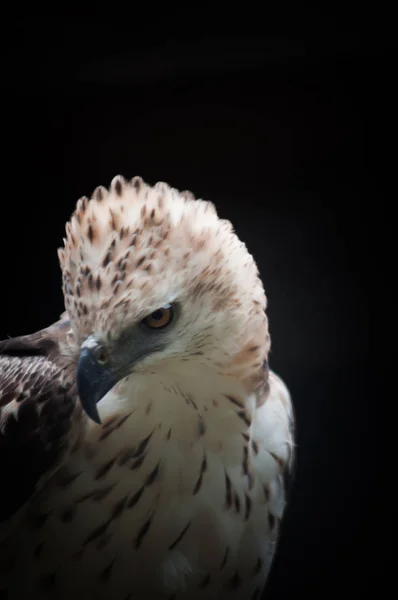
[93, 382]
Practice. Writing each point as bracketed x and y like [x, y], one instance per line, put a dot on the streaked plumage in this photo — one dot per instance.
[179, 492]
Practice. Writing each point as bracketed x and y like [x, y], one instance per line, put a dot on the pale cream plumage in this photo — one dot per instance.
[179, 492]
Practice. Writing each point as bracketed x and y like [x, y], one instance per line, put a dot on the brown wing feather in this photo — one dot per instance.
[37, 401]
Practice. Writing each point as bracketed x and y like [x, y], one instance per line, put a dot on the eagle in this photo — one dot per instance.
[145, 444]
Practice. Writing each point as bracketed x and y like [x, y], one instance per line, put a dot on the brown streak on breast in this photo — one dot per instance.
[152, 475]
[134, 499]
[258, 566]
[137, 463]
[96, 533]
[237, 502]
[203, 468]
[180, 536]
[65, 480]
[102, 471]
[235, 581]
[280, 462]
[143, 532]
[228, 491]
[245, 418]
[118, 508]
[107, 572]
[225, 558]
[248, 506]
[236, 401]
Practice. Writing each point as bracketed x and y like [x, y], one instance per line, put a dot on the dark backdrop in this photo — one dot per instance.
[272, 128]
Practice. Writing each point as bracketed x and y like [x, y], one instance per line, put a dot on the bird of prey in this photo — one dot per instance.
[144, 441]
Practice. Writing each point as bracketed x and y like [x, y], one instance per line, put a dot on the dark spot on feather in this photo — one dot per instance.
[255, 446]
[106, 434]
[271, 520]
[104, 541]
[77, 555]
[248, 506]
[90, 233]
[152, 476]
[123, 420]
[118, 508]
[235, 581]
[267, 492]
[101, 493]
[245, 466]
[203, 468]
[139, 261]
[98, 194]
[108, 422]
[112, 221]
[107, 572]
[143, 532]
[118, 187]
[258, 566]
[137, 463]
[37, 521]
[102, 471]
[169, 434]
[68, 514]
[96, 533]
[225, 558]
[107, 259]
[134, 499]
[235, 401]
[98, 283]
[180, 536]
[228, 491]
[142, 446]
[237, 502]
[201, 426]
[242, 415]
[279, 461]
[137, 183]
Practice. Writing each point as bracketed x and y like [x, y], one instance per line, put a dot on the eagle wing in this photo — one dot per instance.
[38, 413]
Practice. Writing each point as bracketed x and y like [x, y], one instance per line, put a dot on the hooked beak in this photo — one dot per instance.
[93, 382]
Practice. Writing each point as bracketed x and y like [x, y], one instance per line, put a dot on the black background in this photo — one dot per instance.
[271, 124]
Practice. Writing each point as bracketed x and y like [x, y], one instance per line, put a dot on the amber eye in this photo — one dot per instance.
[101, 355]
[160, 317]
